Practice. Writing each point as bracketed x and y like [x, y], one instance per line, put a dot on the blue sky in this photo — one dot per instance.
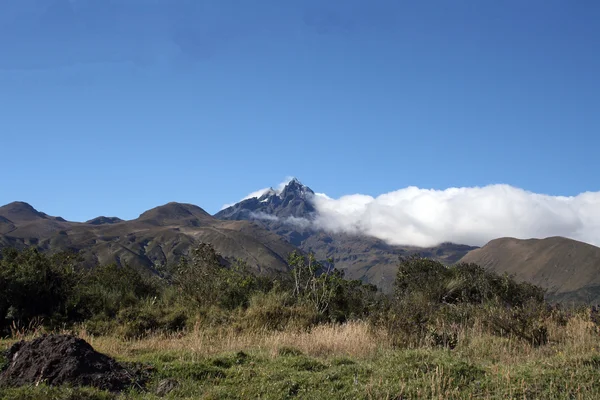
[114, 107]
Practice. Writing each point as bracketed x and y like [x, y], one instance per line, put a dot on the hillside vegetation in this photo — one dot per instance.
[216, 330]
[567, 268]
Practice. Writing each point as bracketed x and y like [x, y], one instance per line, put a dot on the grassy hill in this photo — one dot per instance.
[568, 269]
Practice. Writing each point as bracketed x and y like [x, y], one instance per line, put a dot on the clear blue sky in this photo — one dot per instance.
[113, 107]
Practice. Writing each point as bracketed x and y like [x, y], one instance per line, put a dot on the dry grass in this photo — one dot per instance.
[354, 339]
[578, 339]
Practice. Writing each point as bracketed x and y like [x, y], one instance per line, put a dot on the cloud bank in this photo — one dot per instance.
[467, 215]
[474, 216]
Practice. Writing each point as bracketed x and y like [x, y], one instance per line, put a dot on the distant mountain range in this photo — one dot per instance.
[158, 236]
[263, 231]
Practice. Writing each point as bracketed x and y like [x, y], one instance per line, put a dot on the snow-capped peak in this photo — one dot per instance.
[296, 188]
[291, 186]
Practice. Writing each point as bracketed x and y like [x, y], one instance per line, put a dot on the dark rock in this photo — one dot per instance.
[63, 359]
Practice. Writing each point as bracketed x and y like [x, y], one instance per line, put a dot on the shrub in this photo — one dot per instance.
[526, 322]
[277, 310]
[354, 300]
[428, 294]
[313, 283]
[35, 285]
[105, 290]
[207, 280]
[136, 322]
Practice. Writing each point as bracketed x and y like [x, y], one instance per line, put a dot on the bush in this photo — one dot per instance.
[462, 283]
[470, 283]
[105, 290]
[35, 285]
[314, 284]
[277, 310]
[408, 319]
[354, 300]
[206, 280]
[58, 290]
[428, 294]
[527, 322]
[141, 320]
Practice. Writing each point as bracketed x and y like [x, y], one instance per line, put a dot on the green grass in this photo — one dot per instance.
[350, 362]
[423, 373]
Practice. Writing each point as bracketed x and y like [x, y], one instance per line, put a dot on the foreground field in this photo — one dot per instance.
[350, 361]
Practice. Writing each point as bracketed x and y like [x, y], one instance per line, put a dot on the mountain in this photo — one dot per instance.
[104, 220]
[292, 201]
[20, 212]
[158, 236]
[290, 213]
[568, 269]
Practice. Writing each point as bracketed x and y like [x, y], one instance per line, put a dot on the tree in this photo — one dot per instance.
[206, 279]
[313, 282]
[33, 284]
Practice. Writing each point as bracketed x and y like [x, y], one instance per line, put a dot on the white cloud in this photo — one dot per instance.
[264, 216]
[300, 223]
[422, 217]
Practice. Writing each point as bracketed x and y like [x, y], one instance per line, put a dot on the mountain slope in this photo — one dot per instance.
[104, 220]
[290, 213]
[19, 212]
[158, 236]
[569, 269]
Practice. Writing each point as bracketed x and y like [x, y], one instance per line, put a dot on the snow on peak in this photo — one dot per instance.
[290, 184]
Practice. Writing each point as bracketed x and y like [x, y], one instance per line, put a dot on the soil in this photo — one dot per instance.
[65, 360]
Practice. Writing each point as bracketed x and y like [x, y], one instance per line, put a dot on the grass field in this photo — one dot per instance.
[350, 361]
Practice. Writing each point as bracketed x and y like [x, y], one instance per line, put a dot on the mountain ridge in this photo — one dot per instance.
[158, 236]
[20, 211]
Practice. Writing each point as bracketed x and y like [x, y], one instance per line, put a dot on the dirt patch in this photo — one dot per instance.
[65, 360]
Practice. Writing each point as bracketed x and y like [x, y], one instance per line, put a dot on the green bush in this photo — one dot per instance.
[35, 285]
[526, 322]
[58, 290]
[428, 294]
[105, 290]
[462, 283]
[277, 310]
[136, 322]
[470, 283]
[207, 280]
